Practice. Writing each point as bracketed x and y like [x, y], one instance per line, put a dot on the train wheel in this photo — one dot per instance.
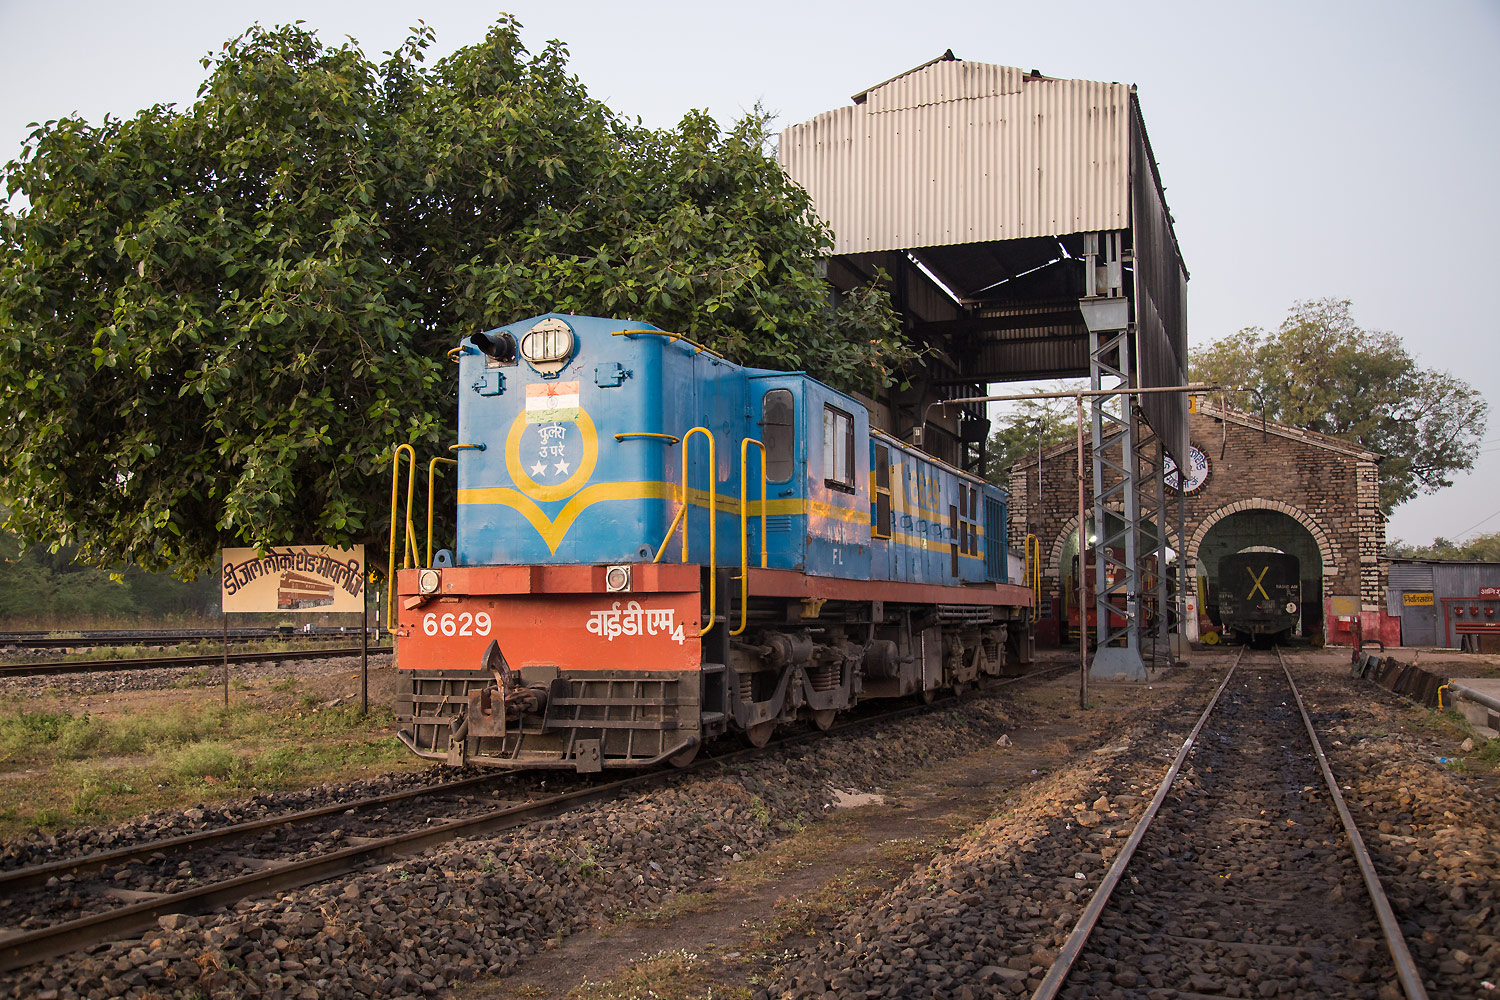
[685, 756]
[824, 719]
[760, 733]
[929, 695]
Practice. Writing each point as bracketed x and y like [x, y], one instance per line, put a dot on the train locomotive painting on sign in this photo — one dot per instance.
[656, 546]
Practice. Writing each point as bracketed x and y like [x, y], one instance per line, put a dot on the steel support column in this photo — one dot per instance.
[1187, 601]
[1153, 565]
[1106, 313]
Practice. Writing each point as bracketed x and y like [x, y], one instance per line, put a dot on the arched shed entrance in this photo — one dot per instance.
[1261, 525]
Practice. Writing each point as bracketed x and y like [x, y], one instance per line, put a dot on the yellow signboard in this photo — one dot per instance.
[296, 579]
[1417, 600]
[1343, 607]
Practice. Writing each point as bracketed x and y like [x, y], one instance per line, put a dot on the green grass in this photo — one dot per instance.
[79, 767]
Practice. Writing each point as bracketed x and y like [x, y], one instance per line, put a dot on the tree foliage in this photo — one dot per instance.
[218, 321]
[1320, 371]
[1480, 548]
[41, 587]
[1031, 425]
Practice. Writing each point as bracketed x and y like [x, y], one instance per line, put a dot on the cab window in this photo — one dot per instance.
[778, 422]
[882, 526]
[838, 449]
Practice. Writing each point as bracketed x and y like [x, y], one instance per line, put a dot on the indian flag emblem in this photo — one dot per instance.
[551, 402]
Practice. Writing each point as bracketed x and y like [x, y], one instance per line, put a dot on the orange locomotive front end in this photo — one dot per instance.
[578, 667]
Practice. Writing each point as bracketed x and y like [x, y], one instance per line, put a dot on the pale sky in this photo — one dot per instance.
[1308, 148]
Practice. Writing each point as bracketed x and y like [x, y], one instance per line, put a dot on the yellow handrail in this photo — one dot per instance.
[1033, 569]
[410, 539]
[713, 517]
[432, 492]
[669, 336]
[669, 438]
[670, 532]
[745, 526]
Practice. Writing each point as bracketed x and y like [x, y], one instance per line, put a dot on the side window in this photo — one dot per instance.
[838, 449]
[882, 527]
[953, 533]
[778, 420]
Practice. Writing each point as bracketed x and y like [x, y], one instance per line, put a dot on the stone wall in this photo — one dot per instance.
[1329, 487]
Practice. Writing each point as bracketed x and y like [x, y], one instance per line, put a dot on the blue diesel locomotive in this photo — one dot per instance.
[656, 546]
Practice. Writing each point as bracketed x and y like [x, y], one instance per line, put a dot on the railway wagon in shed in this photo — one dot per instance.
[1260, 595]
[656, 546]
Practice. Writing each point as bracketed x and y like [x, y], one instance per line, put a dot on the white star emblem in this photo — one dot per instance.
[539, 468]
[561, 467]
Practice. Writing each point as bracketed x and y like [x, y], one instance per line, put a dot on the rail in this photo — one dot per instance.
[410, 546]
[713, 517]
[670, 336]
[1033, 569]
[1406, 969]
[1411, 982]
[626, 435]
[26, 947]
[745, 526]
[153, 662]
[432, 492]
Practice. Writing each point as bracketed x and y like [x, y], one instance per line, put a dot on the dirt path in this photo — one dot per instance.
[763, 905]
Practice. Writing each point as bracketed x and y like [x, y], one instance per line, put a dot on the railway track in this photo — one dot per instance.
[74, 903]
[1246, 863]
[200, 660]
[85, 638]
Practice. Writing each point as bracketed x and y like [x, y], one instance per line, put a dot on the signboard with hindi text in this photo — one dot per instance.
[295, 579]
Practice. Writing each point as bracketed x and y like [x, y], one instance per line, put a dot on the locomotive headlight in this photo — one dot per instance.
[617, 579]
[548, 345]
[1291, 607]
[428, 581]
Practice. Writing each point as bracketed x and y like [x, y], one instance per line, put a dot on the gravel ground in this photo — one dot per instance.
[987, 918]
[480, 906]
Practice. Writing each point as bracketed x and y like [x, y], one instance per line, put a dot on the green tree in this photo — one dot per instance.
[1480, 548]
[40, 587]
[218, 321]
[1320, 371]
[1028, 426]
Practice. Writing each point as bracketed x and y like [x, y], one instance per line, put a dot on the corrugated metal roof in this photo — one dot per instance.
[1410, 576]
[965, 152]
[1463, 579]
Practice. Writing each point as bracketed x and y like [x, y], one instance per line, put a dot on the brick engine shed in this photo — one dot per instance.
[1249, 486]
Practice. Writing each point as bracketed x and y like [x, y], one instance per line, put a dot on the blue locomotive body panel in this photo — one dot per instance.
[583, 464]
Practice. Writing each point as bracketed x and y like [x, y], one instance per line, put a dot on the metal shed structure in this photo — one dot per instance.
[1447, 603]
[1021, 222]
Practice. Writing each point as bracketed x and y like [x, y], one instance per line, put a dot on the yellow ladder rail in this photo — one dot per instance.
[745, 526]
[1033, 570]
[670, 336]
[713, 517]
[431, 493]
[410, 540]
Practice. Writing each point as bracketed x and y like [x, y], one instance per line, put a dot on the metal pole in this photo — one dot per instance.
[364, 655]
[1083, 632]
[225, 615]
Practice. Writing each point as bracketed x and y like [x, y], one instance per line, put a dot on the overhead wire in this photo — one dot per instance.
[1471, 527]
